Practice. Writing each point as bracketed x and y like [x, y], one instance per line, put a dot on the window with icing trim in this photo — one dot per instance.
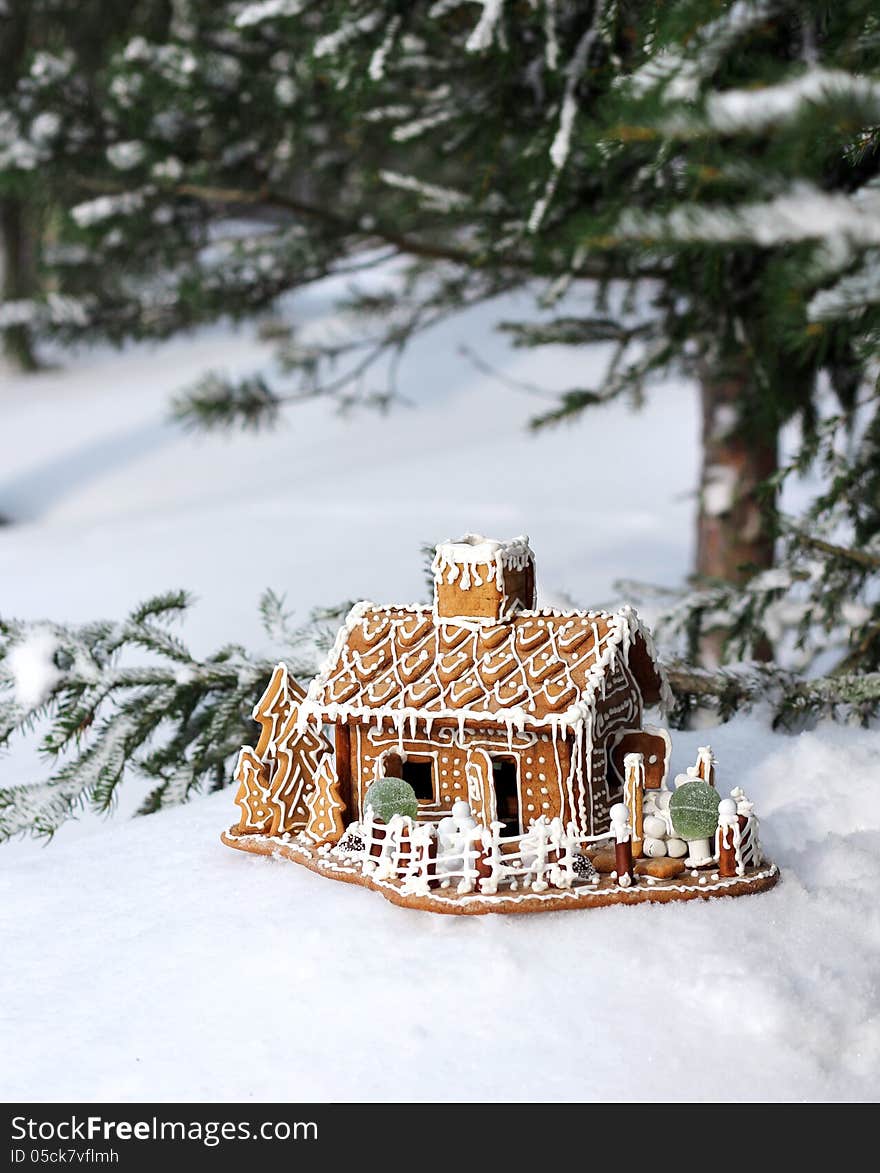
[419, 772]
[507, 801]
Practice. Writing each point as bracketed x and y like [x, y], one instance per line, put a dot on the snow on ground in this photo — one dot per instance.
[143, 960]
[151, 962]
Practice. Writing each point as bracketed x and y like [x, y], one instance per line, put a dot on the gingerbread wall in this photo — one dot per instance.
[462, 767]
[621, 708]
[483, 601]
[490, 599]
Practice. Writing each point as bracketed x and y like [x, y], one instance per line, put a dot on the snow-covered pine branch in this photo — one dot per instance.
[851, 294]
[759, 109]
[679, 69]
[801, 213]
[795, 702]
[265, 10]
[560, 147]
[487, 27]
[112, 699]
[441, 199]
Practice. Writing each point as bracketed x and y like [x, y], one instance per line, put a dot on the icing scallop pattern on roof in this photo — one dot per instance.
[542, 667]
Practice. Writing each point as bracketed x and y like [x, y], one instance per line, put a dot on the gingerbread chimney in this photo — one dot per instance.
[480, 578]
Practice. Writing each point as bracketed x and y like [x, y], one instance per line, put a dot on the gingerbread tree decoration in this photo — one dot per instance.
[252, 796]
[325, 806]
[298, 756]
[275, 777]
[273, 709]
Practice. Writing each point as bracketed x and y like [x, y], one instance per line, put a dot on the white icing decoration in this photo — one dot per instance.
[459, 560]
[596, 658]
[583, 894]
[744, 840]
[541, 673]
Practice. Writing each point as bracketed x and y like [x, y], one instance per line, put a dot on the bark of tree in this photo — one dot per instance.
[17, 253]
[735, 534]
[18, 277]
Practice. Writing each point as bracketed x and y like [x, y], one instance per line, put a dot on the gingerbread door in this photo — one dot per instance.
[505, 784]
[478, 772]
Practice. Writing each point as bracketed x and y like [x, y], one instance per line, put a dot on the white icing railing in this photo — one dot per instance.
[411, 851]
[426, 856]
[480, 858]
[388, 848]
[542, 857]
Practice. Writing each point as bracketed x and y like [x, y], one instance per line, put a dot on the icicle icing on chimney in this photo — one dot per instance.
[481, 578]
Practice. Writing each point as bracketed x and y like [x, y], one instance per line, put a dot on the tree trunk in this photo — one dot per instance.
[17, 276]
[17, 252]
[735, 523]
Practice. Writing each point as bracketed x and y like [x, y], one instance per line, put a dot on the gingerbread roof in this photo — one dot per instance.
[537, 668]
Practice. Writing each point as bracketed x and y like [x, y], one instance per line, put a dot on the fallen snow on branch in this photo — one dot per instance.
[254, 14]
[103, 207]
[804, 212]
[444, 199]
[33, 668]
[757, 109]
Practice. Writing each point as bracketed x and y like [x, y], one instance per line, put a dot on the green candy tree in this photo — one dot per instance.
[392, 796]
[693, 809]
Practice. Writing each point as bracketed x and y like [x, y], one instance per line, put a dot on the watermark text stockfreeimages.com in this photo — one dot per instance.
[208, 1132]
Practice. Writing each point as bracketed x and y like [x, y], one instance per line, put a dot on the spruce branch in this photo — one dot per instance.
[359, 228]
[101, 714]
[178, 720]
[861, 558]
[359, 370]
[218, 404]
[794, 700]
[571, 331]
[353, 225]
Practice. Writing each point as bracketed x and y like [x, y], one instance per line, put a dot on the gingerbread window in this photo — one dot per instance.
[419, 772]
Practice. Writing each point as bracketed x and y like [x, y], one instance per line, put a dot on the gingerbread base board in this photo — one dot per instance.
[685, 887]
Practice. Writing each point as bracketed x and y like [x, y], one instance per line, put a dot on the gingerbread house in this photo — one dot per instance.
[511, 723]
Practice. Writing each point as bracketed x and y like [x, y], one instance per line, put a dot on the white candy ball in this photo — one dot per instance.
[654, 848]
[681, 779]
[461, 810]
[662, 799]
[727, 807]
[677, 848]
[653, 827]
